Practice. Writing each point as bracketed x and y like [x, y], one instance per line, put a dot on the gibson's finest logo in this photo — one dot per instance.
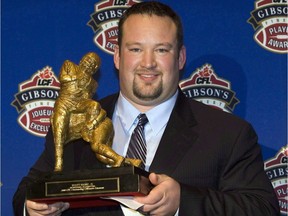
[35, 101]
[277, 171]
[104, 22]
[270, 21]
[206, 87]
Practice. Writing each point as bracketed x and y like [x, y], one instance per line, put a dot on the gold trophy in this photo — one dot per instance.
[76, 115]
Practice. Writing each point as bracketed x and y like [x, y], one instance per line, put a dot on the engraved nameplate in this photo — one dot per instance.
[89, 186]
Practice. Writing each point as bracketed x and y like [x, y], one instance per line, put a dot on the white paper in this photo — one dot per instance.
[126, 200]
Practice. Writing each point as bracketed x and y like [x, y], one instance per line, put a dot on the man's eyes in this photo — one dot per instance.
[158, 50]
[162, 50]
[134, 50]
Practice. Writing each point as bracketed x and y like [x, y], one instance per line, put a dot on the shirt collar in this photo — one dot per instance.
[126, 112]
[158, 116]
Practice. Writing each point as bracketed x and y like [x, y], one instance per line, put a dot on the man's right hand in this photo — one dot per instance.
[38, 209]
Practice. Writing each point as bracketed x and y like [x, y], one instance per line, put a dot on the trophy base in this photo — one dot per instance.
[85, 188]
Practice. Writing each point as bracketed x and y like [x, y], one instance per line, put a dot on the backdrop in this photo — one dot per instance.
[236, 61]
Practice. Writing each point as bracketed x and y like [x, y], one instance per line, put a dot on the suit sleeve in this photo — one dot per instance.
[243, 187]
[45, 163]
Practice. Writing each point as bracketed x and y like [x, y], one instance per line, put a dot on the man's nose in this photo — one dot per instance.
[148, 60]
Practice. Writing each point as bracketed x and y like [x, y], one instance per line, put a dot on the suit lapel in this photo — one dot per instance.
[177, 138]
[108, 104]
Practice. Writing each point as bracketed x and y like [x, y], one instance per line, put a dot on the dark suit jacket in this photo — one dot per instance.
[212, 154]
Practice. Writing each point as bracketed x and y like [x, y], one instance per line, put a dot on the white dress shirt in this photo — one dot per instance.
[125, 120]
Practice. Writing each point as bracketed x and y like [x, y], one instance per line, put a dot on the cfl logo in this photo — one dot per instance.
[203, 80]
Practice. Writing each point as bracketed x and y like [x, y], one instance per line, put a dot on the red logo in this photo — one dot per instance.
[277, 171]
[35, 101]
[104, 22]
[206, 87]
[270, 21]
[46, 73]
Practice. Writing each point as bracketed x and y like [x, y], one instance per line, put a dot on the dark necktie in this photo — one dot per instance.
[137, 146]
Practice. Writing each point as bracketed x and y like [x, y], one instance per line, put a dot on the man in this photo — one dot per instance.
[202, 161]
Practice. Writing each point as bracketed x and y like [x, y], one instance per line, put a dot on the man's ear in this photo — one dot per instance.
[116, 56]
[182, 57]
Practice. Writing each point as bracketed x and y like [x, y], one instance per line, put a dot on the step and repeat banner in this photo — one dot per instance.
[236, 61]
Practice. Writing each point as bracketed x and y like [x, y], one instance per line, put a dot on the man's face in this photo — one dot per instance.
[149, 61]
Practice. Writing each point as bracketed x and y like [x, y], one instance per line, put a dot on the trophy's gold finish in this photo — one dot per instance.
[76, 115]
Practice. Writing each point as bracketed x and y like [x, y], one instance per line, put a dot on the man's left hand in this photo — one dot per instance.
[164, 198]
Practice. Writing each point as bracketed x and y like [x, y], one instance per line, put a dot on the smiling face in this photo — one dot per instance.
[149, 60]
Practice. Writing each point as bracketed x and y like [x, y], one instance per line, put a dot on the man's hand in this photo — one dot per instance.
[164, 198]
[39, 209]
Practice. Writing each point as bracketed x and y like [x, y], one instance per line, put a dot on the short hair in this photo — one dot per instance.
[152, 8]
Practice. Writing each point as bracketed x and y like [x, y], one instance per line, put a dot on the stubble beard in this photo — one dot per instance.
[142, 93]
